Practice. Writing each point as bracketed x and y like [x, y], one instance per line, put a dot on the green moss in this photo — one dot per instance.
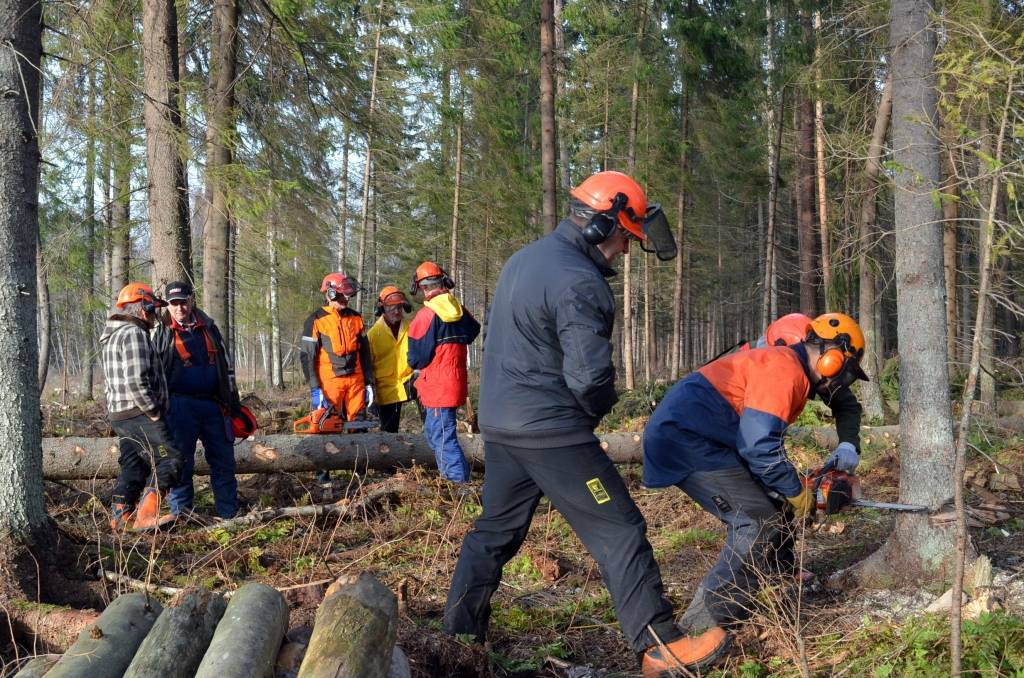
[693, 537]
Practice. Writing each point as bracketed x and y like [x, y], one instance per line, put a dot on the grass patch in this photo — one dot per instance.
[692, 537]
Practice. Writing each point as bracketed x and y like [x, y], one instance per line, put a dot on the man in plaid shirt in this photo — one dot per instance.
[137, 404]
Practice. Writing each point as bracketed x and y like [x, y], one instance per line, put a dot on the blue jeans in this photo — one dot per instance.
[439, 429]
[193, 419]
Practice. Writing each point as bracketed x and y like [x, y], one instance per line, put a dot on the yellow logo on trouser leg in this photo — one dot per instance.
[601, 495]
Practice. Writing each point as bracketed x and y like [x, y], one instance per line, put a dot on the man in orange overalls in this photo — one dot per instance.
[335, 353]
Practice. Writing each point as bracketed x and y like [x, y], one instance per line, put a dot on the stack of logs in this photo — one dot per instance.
[202, 635]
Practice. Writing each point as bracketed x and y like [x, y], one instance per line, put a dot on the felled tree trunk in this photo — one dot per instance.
[86, 458]
[248, 636]
[354, 632]
[47, 627]
[177, 642]
[38, 666]
[105, 649]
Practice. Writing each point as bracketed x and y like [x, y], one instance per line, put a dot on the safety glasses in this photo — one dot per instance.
[659, 239]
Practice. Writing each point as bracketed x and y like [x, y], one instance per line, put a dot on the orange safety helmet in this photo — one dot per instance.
[137, 291]
[243, 423]
[599, 192]
[389, 296]
[337, 283]
[428, 271]
[847, 341]
[788, 330]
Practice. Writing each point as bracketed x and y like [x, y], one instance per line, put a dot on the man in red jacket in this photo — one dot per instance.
[438, 339]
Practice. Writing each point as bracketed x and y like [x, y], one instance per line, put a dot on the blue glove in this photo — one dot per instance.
[316, 396]
[844, 458]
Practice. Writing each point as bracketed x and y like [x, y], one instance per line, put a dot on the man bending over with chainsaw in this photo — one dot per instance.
[717, 436]
[335, 354]
[846, 410]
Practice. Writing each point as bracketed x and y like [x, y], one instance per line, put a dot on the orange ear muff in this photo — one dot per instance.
[831, 363]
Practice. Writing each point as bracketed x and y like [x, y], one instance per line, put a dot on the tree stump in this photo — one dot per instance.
[179, 638]
[105, 649]
[38, 666]
[249, 635]
[354, 632]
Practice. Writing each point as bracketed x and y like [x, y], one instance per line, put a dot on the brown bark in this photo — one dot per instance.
[676, 354]
[549, 218]
[870, 392]
[565, 181]
[354, 632]
[950, 217]
[47, 627]
[219, 144]
[84, 458]
[805, 202]
[170, 243]
[819, 147]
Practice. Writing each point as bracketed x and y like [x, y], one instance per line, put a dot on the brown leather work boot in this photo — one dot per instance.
[147, 516]
[120, 516]
[689, 652]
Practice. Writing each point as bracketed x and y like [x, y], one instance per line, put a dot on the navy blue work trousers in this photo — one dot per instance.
[581, 482]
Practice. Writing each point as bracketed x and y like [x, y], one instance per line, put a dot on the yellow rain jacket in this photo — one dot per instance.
[390, 361]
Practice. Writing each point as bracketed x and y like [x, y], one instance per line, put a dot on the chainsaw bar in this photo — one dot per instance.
[888, 506]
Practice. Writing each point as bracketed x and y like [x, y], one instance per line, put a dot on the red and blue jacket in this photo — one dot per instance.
[438, 339]
[731, 412]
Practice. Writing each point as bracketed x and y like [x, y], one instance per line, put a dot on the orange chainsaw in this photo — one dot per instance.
[326, 420]
[835, 490]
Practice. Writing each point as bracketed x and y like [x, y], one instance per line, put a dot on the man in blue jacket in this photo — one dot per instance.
[547, 381]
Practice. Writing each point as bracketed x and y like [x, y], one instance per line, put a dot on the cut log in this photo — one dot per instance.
[177, 642]
[249, 635]
[85, 458]
[354, 632]
[105, 649]
[48, 627]
[38, 666]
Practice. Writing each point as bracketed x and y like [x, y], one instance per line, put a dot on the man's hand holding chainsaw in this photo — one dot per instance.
[844, 458]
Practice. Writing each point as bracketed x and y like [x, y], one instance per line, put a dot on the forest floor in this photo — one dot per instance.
[552, 607]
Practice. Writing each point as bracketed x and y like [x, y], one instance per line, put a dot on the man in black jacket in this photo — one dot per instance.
[201, 380]
[547, 380]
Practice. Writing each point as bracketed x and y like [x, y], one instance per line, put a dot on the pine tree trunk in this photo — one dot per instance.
[343, 225]
[805, 193]
[549, 218]
[675, 365]
[107, 238]
[773, 124]
[950, 217]
[89, 272]
[988, 180]
[870, 392]
[628, 350]
[120, 227]
[454, 255]
[367, 169]
[44, 315]
[565, 180]
[276, 368]
[170, 246]
[819, 147]
[219, 143]
[916, 550]
[22, 512]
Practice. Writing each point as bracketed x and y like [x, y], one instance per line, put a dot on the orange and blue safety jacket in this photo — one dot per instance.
[731, 412]
[439, 339]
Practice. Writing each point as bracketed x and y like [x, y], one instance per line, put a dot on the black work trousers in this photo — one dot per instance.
[758, 546]
[583, 485]
[146, 449]
[390, 417]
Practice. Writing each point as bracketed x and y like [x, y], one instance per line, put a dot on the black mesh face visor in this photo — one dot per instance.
[659, 239]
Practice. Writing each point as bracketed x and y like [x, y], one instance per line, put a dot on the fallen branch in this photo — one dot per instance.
[341, 508]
